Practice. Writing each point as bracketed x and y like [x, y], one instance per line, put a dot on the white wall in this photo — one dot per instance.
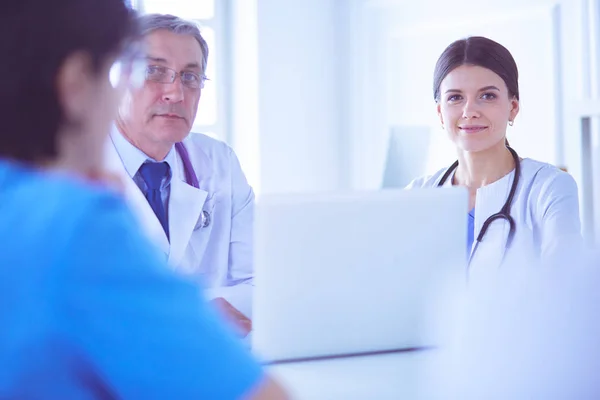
[298, 95]
[245, 133]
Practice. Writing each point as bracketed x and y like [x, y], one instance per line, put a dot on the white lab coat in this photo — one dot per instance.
[218, 256]
[546, 212]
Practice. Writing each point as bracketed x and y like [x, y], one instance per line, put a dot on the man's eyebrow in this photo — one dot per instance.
[190, 65]
[193, 65]
[156, 59]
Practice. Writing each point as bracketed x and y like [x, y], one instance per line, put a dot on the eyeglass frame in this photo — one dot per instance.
[174, 74]
[127, 68]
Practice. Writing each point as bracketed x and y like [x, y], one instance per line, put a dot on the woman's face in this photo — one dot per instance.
[103, 110]
[475, 108]
[90, 103]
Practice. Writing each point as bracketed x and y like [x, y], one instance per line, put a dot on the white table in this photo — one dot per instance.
[381, 377]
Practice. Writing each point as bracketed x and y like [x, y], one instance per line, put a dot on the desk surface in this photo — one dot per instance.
[389, 376]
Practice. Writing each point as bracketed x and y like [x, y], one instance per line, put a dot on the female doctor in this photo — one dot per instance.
[519, 208]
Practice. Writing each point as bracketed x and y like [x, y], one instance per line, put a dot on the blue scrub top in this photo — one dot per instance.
[470, 231]
[88, 311]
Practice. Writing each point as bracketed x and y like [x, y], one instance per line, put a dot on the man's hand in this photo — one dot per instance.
[242, 324]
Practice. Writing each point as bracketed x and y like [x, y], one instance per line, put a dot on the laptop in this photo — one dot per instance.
[354, 273]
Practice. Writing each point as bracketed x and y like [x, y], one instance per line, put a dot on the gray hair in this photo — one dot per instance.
[152, 22]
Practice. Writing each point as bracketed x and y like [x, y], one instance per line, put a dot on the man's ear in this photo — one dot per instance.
[74, 85]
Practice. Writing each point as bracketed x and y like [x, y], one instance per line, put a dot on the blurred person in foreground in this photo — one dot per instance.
[88, 310]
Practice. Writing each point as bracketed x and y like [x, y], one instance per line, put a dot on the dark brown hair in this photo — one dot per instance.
[482, 52]
[37, 37]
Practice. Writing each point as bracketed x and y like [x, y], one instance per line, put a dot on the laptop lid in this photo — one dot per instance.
[354, 272]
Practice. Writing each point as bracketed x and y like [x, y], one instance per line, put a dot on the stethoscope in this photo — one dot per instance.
[191, 179]
[504, 212]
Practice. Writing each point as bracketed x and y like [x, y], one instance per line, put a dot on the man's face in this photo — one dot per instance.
[160, 114]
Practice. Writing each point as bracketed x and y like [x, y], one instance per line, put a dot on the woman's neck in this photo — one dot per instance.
[77, 155]
[477, 169]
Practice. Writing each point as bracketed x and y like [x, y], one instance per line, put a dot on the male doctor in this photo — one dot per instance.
[200, 214]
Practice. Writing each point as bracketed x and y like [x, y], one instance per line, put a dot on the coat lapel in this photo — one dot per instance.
[490, 200]
[185, 209]
[136, 200]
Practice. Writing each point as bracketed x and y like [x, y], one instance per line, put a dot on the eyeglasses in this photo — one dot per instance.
[128, 73]
[129, 69]
[161, 74]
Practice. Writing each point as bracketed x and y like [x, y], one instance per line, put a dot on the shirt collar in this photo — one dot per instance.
[132, 157]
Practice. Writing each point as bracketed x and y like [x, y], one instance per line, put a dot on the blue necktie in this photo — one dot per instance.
[153, 174]
[470, 231]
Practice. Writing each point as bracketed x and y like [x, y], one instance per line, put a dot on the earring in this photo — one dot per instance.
[511, 122]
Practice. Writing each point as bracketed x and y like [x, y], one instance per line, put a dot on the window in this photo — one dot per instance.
[210, 17]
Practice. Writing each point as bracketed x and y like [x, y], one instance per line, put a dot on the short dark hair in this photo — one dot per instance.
[38, 36]
[482, 52]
